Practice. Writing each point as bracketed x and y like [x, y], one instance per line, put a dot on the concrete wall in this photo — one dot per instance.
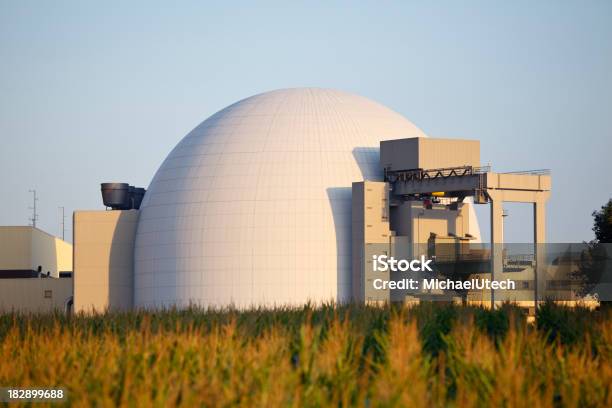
[51, 253]
[35, 295]
[517, 181]
[104, 260]
[401, 230]
[371, 236]
[357, 241]
[15, 248]
[27, 248]
[412, 219]
[429, 153]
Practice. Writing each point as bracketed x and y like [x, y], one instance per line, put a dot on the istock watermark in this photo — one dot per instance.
[384, 263]
[433, 280]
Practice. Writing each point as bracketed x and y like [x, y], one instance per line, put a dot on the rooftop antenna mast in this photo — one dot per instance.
[63, 223]
[33, 208]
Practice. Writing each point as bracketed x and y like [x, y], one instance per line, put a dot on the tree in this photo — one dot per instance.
[594, 264]
[603, 223]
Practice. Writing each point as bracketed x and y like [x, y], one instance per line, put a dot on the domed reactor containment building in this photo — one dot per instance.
[274, 201]
[254, 205]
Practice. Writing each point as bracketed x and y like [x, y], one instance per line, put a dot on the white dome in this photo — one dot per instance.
[253, 207]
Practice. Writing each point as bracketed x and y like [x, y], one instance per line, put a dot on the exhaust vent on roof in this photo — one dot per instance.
[122, 196]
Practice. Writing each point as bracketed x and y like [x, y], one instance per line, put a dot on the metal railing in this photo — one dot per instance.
[485, 255]
[429, 174]
[537, 172]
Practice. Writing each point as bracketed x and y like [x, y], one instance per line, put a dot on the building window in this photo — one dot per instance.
[48, 294]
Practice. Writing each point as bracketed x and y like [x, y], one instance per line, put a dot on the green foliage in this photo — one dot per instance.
[563, 324]
[595, 258]
[436, 321]
[603, 223]
[495, 323]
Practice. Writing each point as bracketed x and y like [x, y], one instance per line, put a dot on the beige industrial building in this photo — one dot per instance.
[35, 270]
[37, 273]
[283, 198]
[419, 208]
[27, 251]
[104, 260]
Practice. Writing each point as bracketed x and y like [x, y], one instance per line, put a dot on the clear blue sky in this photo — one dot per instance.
[101, 91]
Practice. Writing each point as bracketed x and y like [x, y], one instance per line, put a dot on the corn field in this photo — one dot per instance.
[427, 355]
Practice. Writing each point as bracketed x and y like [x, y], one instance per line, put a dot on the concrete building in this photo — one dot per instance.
[104, 260]
[281, 199]
[35, 270]
[28, 252]
[428, 183]
[371, 234]
[253, 207]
